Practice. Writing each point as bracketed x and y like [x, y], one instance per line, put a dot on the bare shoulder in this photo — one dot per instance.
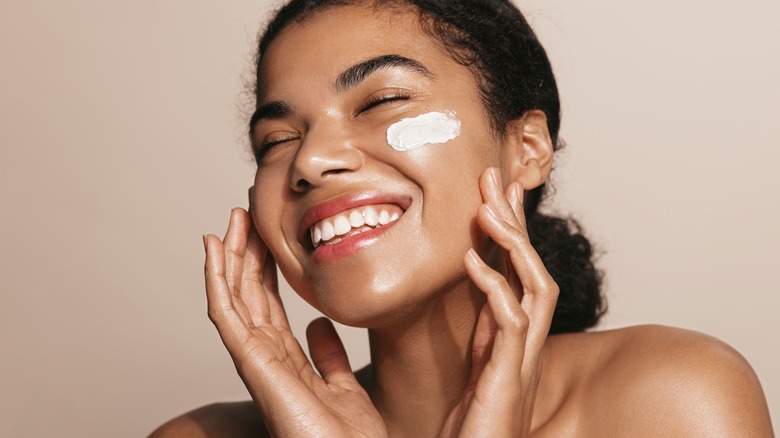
[661, 381]
[236, 419]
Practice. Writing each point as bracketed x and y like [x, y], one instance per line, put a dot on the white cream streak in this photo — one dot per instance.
[429, 128]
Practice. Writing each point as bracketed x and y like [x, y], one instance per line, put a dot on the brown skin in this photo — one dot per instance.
[459, 346]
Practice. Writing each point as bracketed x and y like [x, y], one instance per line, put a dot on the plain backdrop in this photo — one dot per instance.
[122, 142]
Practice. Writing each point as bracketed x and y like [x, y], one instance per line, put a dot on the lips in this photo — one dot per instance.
[353, 222]
[343, 218]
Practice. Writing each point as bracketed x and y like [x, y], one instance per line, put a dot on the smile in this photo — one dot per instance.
[353, 222]
[344, 225]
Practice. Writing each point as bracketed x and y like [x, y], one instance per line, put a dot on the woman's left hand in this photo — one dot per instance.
[513, 324]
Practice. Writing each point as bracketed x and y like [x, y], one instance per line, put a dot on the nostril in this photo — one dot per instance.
[312, 166]
[302, 184]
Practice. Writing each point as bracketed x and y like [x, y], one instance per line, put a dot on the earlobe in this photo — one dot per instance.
[528, 150]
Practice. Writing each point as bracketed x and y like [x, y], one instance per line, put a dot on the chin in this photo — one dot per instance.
[381, 300]
[362, 306]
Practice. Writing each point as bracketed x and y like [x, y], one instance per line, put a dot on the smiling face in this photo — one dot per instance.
[362, 231]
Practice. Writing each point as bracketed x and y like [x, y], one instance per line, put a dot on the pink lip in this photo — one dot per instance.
[350, 245]
[342, 203]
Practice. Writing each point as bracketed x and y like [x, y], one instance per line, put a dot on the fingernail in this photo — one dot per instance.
[495, 174]
[474, 257]
[491, 211]
[205, 243]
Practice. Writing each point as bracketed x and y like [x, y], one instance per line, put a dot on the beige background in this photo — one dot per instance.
[121, 136]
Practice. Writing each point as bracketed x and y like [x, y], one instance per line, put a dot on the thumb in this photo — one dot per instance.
[328, 354]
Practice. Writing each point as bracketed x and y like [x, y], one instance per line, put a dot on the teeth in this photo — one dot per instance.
[316, 235]
[372, 218]
[356, 219]
[384, 218]
[354, 223]
[327, 231]
[341, 225]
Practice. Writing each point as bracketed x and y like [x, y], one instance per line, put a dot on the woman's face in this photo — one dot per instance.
[329, 89]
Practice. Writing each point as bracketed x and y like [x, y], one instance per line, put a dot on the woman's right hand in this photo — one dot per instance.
[244, 305]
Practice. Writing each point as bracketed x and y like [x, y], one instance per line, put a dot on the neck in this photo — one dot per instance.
[420, 368]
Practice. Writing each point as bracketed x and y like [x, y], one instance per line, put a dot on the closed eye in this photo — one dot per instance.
[265, 146]
[375, 101]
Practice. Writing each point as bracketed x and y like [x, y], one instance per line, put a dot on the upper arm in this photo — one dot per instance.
[217, 420]
[671, 382]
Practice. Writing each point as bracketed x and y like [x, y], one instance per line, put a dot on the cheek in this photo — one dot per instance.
[442, 143]
[439, 149]
[262, 203]
[425, 129]
[267, 206]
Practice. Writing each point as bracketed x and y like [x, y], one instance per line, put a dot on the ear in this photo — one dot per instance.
[528, 150]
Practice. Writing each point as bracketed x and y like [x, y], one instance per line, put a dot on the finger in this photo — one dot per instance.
[525, 260]
[221, 307]
[539, 290]
[271, 285]
[493, 193]
[328, 354]
[510, 318]
[506, 220]
[252, 290]
[507, 204]
[266, 280]
[482, 345]
[505, 223]
[514, 196]
[235, 247]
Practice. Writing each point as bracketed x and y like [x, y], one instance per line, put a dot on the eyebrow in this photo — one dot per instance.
[348, 79]
[271, 110]
[353, 76]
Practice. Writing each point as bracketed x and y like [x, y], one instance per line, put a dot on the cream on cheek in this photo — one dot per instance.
[429, 128]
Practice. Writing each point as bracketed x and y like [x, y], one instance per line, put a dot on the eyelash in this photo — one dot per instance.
[367, 105]
[265, 146]
[379, 100]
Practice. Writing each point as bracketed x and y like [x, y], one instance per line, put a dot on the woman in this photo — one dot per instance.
[402, 151]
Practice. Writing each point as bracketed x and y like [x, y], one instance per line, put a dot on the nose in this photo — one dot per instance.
[323, 155]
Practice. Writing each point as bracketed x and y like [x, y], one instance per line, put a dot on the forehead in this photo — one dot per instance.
[323, 45]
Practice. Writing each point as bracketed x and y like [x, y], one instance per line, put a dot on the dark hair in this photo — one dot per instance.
[493, 39]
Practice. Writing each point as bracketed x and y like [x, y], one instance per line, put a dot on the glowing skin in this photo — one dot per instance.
[339, 150]
[330, 171]
[425, 129]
